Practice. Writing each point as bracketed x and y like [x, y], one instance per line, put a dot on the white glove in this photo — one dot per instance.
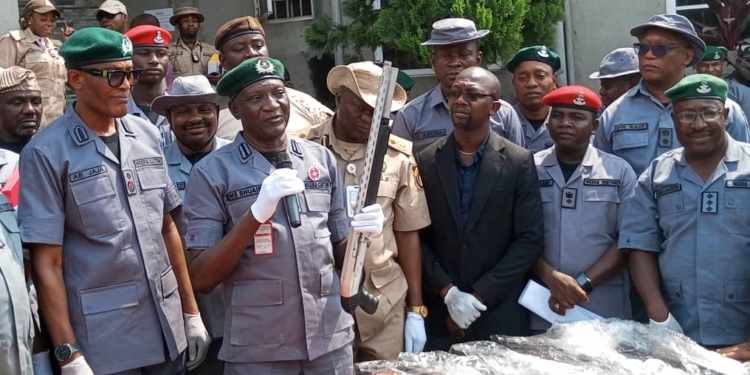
[197, 338]
[464, 308]
[671, 324]
[279, 184]
[77, 367]
[41, 364]
[370, 220]
[414, 333]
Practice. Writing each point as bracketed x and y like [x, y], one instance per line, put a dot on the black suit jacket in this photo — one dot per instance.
[503, 237]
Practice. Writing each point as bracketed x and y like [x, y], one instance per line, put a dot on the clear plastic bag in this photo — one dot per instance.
[612, 347]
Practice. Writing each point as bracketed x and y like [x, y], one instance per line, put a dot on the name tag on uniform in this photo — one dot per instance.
[630, 127]
[352, 194]
[601, 182]
[569, 198]
[709, 202]
[263, 239]
[665, 137]
[741, 184]
[546, 183]
[668, 189]
[181, 185]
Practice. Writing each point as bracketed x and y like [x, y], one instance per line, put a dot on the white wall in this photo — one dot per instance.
[9, 16]
[596, 27]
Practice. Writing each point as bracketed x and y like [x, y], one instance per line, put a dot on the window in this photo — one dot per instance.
[290, 10]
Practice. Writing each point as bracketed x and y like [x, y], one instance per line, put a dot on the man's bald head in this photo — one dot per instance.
[483, 78]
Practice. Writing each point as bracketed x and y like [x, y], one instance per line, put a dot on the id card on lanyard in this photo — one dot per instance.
[263, 239]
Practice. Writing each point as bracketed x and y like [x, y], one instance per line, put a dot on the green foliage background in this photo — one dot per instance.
[405, 24]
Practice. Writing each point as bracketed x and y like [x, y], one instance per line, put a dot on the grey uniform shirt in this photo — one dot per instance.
[701, 233]
[638, 128]
[16, 329]
[740, 94]
[210, 305]
[107, 214]
[427, 118]
[283, 306]
[162, 124]
[581, 221]
[535, 140]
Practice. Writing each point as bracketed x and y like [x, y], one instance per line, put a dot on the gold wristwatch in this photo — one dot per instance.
[421, 310]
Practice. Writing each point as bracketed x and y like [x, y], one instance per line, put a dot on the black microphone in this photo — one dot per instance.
[291, 202]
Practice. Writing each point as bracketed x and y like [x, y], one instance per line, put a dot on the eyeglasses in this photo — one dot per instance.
[659, 50]
[708, 115]
[115, 78]
[468, 96]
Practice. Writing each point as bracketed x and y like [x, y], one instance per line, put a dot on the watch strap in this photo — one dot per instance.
[585, 283]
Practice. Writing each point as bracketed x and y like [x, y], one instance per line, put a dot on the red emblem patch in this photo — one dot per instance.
[314, 173]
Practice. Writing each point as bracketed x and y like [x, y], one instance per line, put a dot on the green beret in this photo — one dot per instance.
[698, 86]
[95, 45]
[714, 53]
[247, 73]
[404, 80]
[535, 53]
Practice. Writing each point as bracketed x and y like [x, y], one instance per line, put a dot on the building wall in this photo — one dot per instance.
[285, 40]
[9, 16]
[596, 27]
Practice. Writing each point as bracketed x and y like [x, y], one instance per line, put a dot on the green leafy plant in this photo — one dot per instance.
[403, 25]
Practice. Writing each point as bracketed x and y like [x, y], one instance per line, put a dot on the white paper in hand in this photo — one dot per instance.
[536, 298]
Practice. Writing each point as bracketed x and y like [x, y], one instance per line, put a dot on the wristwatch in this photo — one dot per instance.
[421, 310]
[584, 283]
[65, 351]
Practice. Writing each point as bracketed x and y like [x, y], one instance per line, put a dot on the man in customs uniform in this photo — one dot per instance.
[189, 55]
[280, 286]
[688, 225]
[426, 119]
[107, 258]
[638, 126]
[393, 263]
[712, 62]
[193, 110]
[584, 194]
[534, 71]
[21, 108]
[151, 56]
[618, 72]
[243, 38]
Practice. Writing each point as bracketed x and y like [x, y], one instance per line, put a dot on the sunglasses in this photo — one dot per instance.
[658, 50]
[115, 78]
[468, 96]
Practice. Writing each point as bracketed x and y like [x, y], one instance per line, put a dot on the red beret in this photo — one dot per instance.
[149, 36]
[574, 96]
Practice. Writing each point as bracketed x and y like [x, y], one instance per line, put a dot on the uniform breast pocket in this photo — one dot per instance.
[737, 218]
[98, 206]
[318, 207]
[41, 63]
[550, 207]
[238, 208]
[257, 307]
[600, 202]
[670, 208]
[624, 140]
[153, 182]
